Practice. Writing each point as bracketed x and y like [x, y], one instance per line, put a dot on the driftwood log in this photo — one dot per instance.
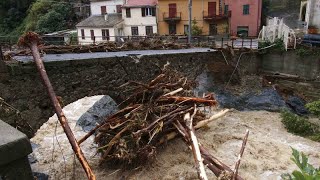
[153, 114]
[31, 40]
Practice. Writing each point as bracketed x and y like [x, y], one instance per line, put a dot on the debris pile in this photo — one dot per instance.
[153, 114]
[144, 44]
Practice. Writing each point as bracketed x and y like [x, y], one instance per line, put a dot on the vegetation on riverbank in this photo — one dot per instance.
[306, 171]
[301, 125]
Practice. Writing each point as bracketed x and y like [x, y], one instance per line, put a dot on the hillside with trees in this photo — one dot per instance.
[42, 16]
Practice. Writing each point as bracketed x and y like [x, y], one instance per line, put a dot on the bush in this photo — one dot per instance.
[307, 171]
[51, 22]
[314, 108]
[298, 125]
[196, 30]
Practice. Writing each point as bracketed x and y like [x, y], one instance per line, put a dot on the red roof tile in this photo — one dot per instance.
[132, 3]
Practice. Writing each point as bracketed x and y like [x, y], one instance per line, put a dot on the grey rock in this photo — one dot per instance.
[297, 105]
[268, 100]
[97, 113]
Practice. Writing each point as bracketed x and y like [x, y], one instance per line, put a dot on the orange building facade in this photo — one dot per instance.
[212, 16]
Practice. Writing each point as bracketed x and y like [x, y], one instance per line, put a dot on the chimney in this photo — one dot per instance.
[106, 17]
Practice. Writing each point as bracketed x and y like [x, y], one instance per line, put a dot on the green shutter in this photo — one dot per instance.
[226, 9]
[246, 9]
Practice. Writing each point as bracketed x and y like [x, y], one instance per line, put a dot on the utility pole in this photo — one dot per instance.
[190, 19]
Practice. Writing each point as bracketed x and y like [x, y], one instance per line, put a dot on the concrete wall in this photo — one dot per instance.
[97, 33]
[252, 20]
[291, 63]
[136, 19]
[110, 6]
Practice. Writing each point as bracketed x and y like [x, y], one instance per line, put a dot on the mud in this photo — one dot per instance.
[267, 154]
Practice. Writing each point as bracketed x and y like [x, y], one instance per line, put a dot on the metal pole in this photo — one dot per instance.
[190, 18]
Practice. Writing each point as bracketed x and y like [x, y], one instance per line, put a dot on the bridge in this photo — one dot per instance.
[24, 98]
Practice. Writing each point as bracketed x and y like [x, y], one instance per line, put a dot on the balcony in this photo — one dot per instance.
[208, 16]
[172, 17]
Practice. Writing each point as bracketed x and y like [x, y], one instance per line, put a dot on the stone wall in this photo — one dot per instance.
[73, 80]
[26, 99]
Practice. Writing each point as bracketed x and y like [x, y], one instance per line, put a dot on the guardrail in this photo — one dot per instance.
[8, 42]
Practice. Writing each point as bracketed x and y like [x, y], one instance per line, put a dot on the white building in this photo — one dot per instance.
[139, 17]
[310, 14]
[101, 7]
[104, 24]
[100, 28]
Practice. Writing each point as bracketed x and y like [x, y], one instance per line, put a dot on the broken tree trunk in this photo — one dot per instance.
[31, 40]
[216, 166]
[195, 146]
[245, 139]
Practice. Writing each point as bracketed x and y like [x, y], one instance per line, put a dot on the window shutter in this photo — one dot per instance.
[143, 12]
[153, 11]
[128, 12]
[118, 8]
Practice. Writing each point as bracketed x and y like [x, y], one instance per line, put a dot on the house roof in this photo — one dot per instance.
[99, 20]
[139, 3]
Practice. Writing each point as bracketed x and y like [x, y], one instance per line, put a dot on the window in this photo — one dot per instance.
[105, 34]
[92, 35]
[186, 29]
[172, 29]
[82, 34]
[128, 12]
[103, 10]
[172, 10]
[134, 31]
[226, 9]
[148, 12]
[118, 8]
[246, 9]
[242, 31]
[149, 30]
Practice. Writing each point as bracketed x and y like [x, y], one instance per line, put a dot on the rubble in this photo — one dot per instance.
[153, 114]
[145, 44]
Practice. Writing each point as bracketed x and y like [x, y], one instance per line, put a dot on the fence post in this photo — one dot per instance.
[94, 40]
[250, 43]
[232, 41]
[198, 41]
[1, 54]
[242, 43]
[3, 68]
[10, 44]
[221, 42]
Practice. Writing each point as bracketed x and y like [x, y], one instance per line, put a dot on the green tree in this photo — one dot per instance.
[47, 16]
[195, 30]
[50, 22]
[12, 13]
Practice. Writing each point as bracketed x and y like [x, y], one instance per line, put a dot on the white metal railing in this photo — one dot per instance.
[277, 29]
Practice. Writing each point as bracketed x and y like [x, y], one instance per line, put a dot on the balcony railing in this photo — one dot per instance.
[211, 16]
[172, 17]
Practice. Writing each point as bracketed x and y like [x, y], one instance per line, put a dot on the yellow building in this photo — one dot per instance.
[211, 16]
